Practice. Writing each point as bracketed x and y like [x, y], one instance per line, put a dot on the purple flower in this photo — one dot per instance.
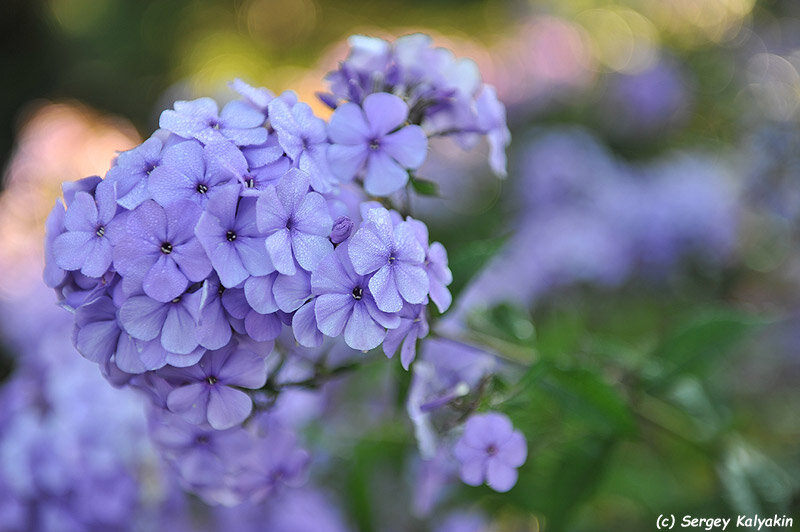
[54, 276]
[296, 222]
[260, 326]
[491, 119]
[257, 97]
[156, 249]
[131, 172]
[304, 139]
[413, 326]
[439, 275]
[84, 244]
[174, 323]
[277, 461]
[200, 119]
[344, 303]
[214, 322]
[395, 255]
[373, 138]
[99, 337]
[490, 450]
[266, 165]
[209, 393]
[190, 171]
[228, 233]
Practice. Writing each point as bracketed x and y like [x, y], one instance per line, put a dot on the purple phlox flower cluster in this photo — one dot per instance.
[74, 452]
[230, 231]
[596, 219]
[444, 95]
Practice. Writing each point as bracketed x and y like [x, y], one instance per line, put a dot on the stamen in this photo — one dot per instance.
[101, 230]
[166, 248]
[374, 144]
[231, 236]
[358, 293]
[211, 380]
[177, 299]
[201, 188]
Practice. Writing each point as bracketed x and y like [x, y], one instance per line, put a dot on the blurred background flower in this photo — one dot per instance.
[641, 259]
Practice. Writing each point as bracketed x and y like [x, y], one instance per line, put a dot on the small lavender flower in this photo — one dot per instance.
[413, 326]
[344, 303]
[296, 222]
[373, 139]
[190, 171]
[277, 462]
[201, 119]
[439, 275]
[156, 249]
[174, 323]
[266, 165]
[228, 233]
[131, 172]
[304, 139]
[490, 450]
[214, 322]
[54, 275]
[84, 244]
[210, 393]
[395, 256]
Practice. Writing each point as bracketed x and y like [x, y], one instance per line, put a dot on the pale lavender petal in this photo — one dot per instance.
[142, 317]
[332, 311]
[311, 215]
[384, 175]
[81, 214]
[384, 112]
[228, 407]
[346, 161]
[362, 332]
[367, 251]
[71, 249]
[514, 451]
[408, 146]
[384, 289]
[291, 291]
[179, 334]
[244, 368]
[309, 250]
[499, 476]
[279, 247]
[270, 212]
[412, 282]
[164, 281]
[190, 401]
[347, 125]
[258, 292]
[262, 327]
[304, 326]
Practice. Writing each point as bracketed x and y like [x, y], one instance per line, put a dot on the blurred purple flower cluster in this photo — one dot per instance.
[585, 216]
[230, 229]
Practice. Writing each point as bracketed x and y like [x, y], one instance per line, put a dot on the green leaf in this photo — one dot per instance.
[692, 349]
[596, 401]
[423, 187]
[579, 473]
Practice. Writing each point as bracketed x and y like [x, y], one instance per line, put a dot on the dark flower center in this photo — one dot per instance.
[220, 290]
[211, 380]
[491, 449]
[201, 439]
[289, 223]
[150, 168]
[250, 182]
[358, 293]
[392, 258]
[166, 248]
[101, 230]
[213, 123]
[374, 144]
[201, 188]
[177, 299]
[231, 236]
